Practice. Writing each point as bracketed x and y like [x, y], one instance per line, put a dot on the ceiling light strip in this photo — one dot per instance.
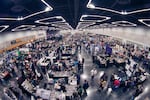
[63, 25]
[81, 23]
[26, 27]
[4, 27]
[39, 27]
[114, 11]
[13, 19]
[106, 9]
[138, 11]
[124, 23]
[142, 21]
[47, 23]
[85, 26]
[33, 14]
[59, 26]
[105, 18]
[47, 4]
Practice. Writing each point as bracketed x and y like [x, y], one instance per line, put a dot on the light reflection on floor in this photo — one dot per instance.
[107, 94]
[90, 92]
[84, 76]
[101, 73]
[146, 90]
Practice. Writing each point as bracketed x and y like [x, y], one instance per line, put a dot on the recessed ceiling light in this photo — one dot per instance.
[47, 9]
[124, 13]
[20, 18]
[92, 6]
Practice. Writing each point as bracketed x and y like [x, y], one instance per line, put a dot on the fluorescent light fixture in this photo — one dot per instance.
[59, 17]
[54, 28]
[62, 25]
[9, 19]
[93, 27]
[108, 18]
[107, 25]
[102, 18]
[37, 21]
[48, 8]
[23, 27]
[4, 27]
[34, 14]
[40, 27]
[100, 26]
[143, 21]
[82, 25]
[123, 23]
[104, 24]
[42, 21]
[91, 6]
[84, 16]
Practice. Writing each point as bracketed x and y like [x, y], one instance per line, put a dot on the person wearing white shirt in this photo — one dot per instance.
[93, 73]
[57, 86]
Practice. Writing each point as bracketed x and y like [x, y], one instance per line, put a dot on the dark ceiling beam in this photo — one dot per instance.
[76, 11]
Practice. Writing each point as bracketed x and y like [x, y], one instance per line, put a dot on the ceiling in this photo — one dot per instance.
[22, 15]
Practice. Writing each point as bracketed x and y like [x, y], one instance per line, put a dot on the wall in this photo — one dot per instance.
[135, 34]
[138, 35]
[7, 37]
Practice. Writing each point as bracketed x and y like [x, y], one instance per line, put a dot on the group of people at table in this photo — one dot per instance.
[131, 63]
[51, 70]
[45, 72]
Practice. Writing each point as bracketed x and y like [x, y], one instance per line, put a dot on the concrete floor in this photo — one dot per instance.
[93, 94]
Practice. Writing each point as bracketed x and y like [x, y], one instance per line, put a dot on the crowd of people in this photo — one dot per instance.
[55, 66]
[130, 60]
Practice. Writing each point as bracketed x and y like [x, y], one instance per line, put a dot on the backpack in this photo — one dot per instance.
[86, 85]
[80, 90]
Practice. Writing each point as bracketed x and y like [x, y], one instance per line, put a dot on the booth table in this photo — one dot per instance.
[60, 74]
[53, 94]
[45, 94]
[27, 86]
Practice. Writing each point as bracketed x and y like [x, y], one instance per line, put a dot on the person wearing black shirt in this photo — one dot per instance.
[85, 86]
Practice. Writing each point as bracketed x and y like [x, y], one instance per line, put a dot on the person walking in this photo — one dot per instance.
[85, 86]
[80, 91]
[93, 73]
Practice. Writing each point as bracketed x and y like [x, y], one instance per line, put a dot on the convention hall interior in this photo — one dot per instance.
[74, 49]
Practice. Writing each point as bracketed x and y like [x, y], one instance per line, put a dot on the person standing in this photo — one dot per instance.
[79, 89]
[78, 78]
[93, 73]
[82, 61]
[85, 86]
